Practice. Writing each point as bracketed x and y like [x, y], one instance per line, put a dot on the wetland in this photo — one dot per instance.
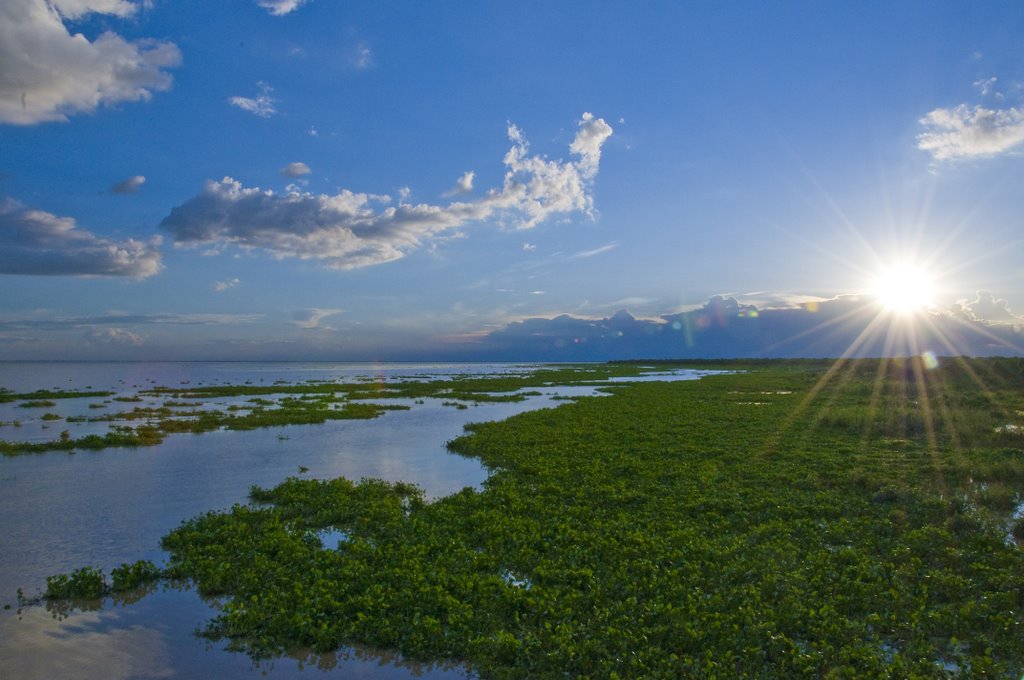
[853, 518]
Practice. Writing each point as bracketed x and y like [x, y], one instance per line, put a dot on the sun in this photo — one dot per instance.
[904, 289]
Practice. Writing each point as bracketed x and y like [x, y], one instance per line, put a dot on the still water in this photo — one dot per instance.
[61, 511]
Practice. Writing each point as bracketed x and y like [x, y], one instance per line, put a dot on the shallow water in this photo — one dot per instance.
[62, 511]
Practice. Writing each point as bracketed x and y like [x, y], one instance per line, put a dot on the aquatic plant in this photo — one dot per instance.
[87, 583]
[37, 403]
[849, 525]
[49, 395]
[131, 576]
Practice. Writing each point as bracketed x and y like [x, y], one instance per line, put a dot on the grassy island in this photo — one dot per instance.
[310, 403]
[804, 519]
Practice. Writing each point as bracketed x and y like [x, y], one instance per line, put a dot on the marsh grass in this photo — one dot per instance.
[38, 403]
[48, 395]
[309, 403]
[853, 525]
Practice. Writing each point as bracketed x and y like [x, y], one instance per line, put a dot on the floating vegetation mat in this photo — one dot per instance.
[854, 524]
[193, 409]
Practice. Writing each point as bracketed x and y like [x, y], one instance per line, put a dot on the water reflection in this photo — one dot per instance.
[155, 638]
[59, 512]
[86, 644]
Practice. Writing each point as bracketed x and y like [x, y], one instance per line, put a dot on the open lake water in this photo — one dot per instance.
[61, 511]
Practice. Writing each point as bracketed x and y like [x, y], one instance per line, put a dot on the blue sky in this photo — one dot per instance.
[357, 180]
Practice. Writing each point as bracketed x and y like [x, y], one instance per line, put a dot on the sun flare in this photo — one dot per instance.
[904, 289]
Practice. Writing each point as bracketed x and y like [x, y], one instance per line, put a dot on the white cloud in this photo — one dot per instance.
[262, 105]
[311, 318]
[38, 242]
[73, 9]
[987, 308]
[529, 247]
[221, 286]
[128, 186]
[296, 169]
[584, 254]
[313, 131]
[986, 86]
[281, 7]
[362, 57]
[117, 336]
[348, 230]
[966, 132]
[463, 185]
[48, 74]
[593, 133]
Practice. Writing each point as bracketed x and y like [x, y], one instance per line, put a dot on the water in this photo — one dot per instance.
[61, 511]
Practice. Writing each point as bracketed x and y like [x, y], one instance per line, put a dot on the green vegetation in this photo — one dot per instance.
[118, 437]
[800, 519]
[89, 583]
[310, 403]
[48, 395]
[38, 403]
[86, 583]
[163, 421]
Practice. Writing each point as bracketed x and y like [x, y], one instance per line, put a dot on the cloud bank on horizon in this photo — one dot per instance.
[723, 328]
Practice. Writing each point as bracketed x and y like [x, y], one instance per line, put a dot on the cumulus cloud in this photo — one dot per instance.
[281, 7]
[221, 286]
[966, 132]
[295, 170]
[128, 186]
[348, 230]
[463, 185]
[724, 327]
[261, 105]
[38, 242]
[48, 74]
[593, 133]
[74, 9]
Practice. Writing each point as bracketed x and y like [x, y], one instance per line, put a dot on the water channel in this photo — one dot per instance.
[61, 511]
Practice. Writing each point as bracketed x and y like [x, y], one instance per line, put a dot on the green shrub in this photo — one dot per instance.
[87, 583]
[131, 576]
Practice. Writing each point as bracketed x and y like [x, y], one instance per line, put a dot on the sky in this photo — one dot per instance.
[317, 179]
